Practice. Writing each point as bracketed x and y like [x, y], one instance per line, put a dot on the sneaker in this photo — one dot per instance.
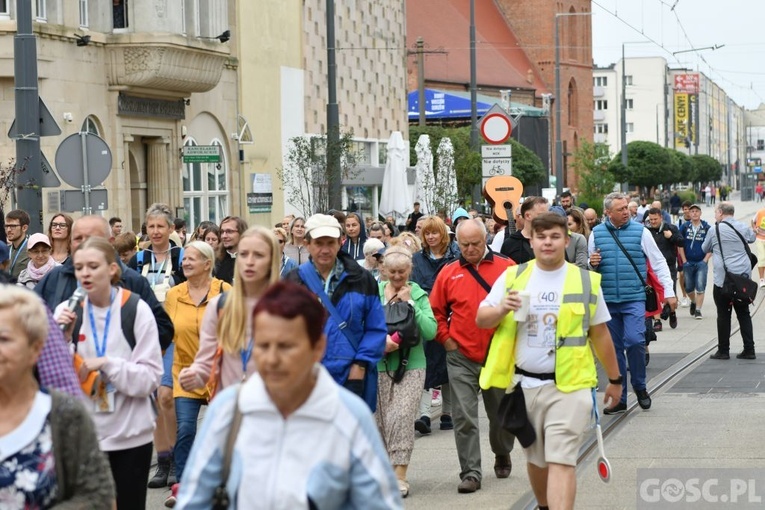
[657, 326]
[617, 409]
[159, 480]
[436, 398]
[173, 497]
[468, 485]
[171, 478]
[746, 355]
[403, 488]
[693, 309]
[697, 315]
[673, 320]
[685, 302]
[720, 355]
[446, 422]
[503, 466]
[644, 400]
[422, 425]
[762, 282]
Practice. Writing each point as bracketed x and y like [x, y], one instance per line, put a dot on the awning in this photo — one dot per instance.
[441, 104]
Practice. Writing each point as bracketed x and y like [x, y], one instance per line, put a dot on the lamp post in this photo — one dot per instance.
[333, 117]
[558, 141]
[623, 109]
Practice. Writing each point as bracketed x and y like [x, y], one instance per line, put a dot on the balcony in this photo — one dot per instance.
[598, 91]
[599, 115]
[600, 138]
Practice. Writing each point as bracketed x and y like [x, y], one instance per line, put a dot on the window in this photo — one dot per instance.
[4, 7]
[628, 80]
[183, 17]
[629, 104]
[601, 81]
[90, 126]
[382, 154]
[120, 14]
[40, 11]
[601, 129]
[363, 152]
[84, 13]
[205, 189]
[761, 145]
[601, 104]
[630, 127]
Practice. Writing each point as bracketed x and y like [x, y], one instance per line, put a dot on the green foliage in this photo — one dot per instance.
[591, 166]
[685, 169]
[305, 178]
[527, 166]
[648, 164]
[687, 195]
[707, 168]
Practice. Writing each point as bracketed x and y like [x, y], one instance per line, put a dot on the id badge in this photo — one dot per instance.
[160, 291]
[104, 397]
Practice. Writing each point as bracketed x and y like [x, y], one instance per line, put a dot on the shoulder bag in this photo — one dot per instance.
[739, 287]
[651, 300]
[221, 499]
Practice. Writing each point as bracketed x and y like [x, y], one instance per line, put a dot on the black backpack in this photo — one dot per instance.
[399, 317]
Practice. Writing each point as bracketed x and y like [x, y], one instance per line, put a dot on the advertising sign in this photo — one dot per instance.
[682, 119]
[687, 83]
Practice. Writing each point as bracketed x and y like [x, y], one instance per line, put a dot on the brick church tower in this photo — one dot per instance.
[533, 23]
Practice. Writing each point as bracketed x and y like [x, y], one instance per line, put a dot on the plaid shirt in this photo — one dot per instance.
[55, 366]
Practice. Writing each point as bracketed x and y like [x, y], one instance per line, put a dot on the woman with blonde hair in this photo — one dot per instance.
[48, 445]
[437, 251]
[225, 340]
[408, 240]
[286, 264]
[128, 366]
[186, 304]
[295, 249]
[398, 400]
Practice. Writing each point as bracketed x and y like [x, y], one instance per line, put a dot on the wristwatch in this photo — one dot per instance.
[618, 380]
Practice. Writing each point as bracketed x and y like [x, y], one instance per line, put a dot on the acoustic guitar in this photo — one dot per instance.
[504, 192]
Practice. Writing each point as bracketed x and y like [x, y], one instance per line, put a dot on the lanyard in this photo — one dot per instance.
[18, 252]
[101, 349]
[154, 270]
[246, 355]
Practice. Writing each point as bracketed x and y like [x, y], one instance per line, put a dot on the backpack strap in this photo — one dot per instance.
[311, 278]
[129, 309]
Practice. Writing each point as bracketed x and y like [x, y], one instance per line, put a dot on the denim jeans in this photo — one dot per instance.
[695, 276]
[186, 414]
[627, 328]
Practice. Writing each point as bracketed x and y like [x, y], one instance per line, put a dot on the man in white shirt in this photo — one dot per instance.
[551, 355]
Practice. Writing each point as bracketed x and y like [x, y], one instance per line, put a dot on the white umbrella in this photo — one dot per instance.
[425, 181]
[446, 177]
[395, 200]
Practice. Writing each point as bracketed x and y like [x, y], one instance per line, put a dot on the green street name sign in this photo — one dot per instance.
[201, 153]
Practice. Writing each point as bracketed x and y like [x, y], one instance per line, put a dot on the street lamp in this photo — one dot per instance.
[624, 109]
[558, 141]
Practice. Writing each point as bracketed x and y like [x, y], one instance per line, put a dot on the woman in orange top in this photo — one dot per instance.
[186, 304]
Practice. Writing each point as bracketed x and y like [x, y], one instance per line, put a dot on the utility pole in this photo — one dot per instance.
[27, 116]
[334, 173]
[624, 111]
[474, 141]
[421, 80]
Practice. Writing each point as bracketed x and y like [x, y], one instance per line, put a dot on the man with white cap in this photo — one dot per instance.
[356, 330]
[40, 261]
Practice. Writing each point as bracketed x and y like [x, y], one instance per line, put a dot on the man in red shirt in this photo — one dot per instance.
[458, 291]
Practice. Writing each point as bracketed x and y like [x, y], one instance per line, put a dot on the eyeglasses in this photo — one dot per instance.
[229, 232]
[11, 227]
[58, 225]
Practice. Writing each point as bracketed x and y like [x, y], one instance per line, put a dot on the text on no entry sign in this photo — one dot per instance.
[496, 127]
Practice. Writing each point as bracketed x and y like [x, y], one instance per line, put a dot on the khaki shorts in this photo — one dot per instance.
[560, 420]
[759, 250]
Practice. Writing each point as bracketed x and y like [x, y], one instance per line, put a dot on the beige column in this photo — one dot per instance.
[157, 171]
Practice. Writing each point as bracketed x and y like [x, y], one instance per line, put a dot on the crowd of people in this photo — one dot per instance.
[320, 346]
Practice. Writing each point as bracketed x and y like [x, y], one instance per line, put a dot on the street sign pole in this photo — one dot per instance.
[85, 174]
[27, 116]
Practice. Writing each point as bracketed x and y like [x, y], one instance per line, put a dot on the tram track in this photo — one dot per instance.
[657, 386]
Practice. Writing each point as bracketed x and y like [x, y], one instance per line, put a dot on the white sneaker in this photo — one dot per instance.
[685, 302]
[436, 398]
[762, 282]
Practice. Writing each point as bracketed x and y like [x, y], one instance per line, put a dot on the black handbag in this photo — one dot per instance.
[400, 318]
[740, 288]
[651, 300]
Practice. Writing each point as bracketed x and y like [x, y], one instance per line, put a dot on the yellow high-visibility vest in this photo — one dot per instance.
[574, 360]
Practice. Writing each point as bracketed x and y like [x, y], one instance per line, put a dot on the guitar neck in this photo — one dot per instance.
[510, 221]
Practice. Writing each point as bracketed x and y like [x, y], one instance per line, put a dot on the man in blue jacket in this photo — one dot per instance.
[623, 289]
[694, 259]
[355, 329]
[60, 283]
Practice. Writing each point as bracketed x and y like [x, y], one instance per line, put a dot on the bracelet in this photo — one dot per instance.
[618, 380]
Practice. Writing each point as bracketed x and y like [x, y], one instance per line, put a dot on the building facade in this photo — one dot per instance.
[152, 78]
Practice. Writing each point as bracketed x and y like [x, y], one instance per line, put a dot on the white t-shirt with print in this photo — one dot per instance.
[535, 345]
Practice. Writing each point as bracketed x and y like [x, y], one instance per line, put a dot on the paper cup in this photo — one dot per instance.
[522, 313]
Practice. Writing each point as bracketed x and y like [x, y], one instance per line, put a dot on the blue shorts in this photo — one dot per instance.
[167, 363]
[695, 276]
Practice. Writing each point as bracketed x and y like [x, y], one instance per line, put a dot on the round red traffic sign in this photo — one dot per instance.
[496, 128]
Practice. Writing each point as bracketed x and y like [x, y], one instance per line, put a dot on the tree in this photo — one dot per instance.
[707, 168]
[8, 184]
[304, 176]
[648, 165]
[684, 164]
[591, 166]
